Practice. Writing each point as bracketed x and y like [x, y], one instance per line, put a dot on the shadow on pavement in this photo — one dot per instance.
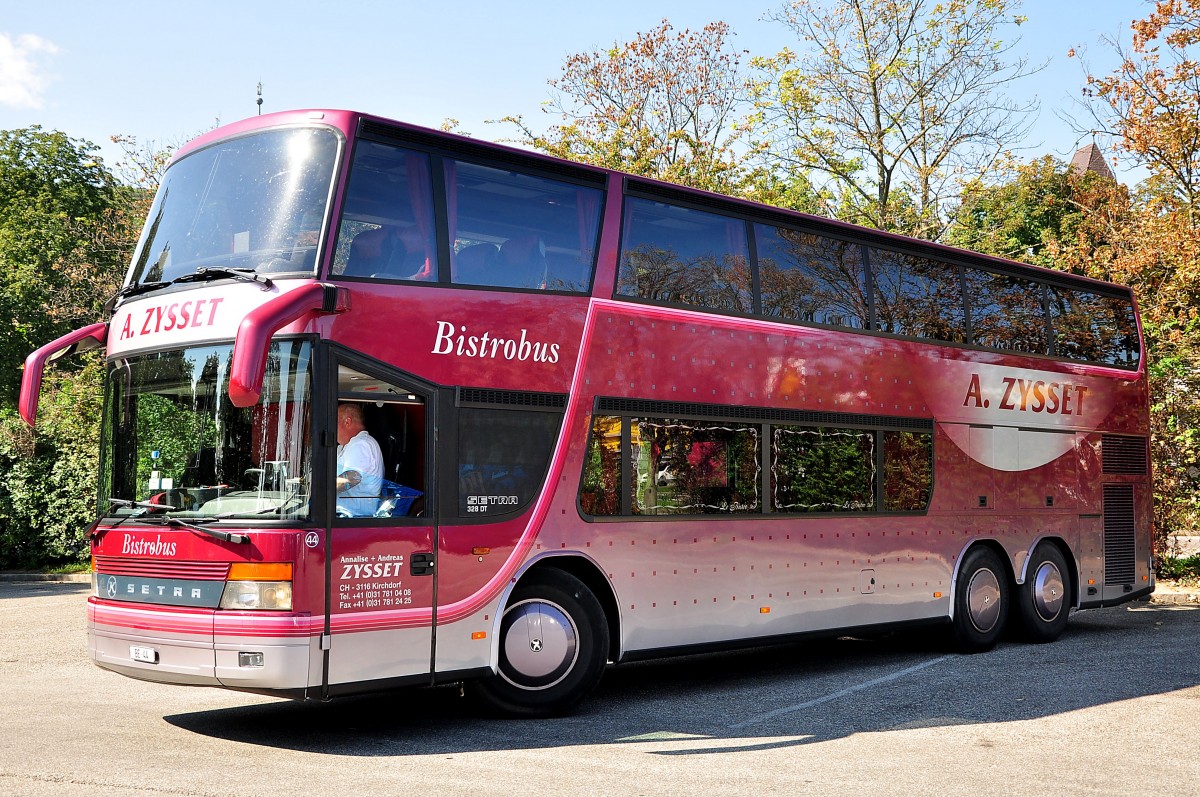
[757, 699]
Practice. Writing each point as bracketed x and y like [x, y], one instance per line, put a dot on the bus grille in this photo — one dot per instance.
[1119, 536]
[483, 398]
[157, 568]
[1124, 455]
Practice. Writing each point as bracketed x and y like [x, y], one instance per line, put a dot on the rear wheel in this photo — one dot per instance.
[553, 647]
[1043, 603]
[980, 601]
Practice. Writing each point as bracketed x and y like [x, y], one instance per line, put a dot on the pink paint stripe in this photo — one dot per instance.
[462, 609]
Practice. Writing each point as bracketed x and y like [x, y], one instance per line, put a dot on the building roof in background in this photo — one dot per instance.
[1091, 159]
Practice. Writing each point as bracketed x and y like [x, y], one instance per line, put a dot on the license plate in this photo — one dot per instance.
[147, 655]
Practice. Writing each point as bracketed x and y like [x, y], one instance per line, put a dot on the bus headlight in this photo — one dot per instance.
[258, 585]
[276, 595]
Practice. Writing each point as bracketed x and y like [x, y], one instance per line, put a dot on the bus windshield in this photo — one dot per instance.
[256, 202]
[175, 446]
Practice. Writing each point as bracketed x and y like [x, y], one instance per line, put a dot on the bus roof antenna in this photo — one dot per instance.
[259, 98]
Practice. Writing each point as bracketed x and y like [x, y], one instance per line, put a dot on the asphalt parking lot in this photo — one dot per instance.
[1111, 708]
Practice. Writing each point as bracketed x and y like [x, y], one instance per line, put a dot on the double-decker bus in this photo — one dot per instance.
[611, 419]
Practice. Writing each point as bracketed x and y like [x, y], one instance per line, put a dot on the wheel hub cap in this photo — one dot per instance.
[1048, 591]
[983, 600]
[540, 645]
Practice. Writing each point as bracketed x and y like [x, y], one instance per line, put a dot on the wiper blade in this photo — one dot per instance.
[226, 536]
[202, 274]
[205, 274]
[140, 507]
[133, 290]
[140, 504]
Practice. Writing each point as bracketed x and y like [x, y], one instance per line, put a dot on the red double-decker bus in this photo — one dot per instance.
[387, 406]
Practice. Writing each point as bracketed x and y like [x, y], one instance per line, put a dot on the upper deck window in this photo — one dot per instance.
[677, 255]
[807, 277]
[386, 230]
[515, 230]
[918, 297]
[1093, 328]
[252, 202]
[1007, 312]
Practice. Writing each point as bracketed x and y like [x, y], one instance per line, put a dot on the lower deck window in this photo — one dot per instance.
[502, 459]
[823, 470]
[639, 466]
[693, 467]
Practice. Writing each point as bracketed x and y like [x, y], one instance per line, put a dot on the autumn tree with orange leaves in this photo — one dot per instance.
[1146, 237]
[668, 104]
[1151, 106]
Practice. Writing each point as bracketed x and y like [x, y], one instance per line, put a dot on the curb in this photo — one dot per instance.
[1175, 598]
[46, 578]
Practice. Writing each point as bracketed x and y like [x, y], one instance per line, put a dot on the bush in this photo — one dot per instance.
[48, 476]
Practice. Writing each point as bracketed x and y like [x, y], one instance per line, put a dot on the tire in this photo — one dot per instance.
[553, 647]
[981, 601]
[1043, 601]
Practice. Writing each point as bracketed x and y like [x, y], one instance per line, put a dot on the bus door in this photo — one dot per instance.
[382, 533]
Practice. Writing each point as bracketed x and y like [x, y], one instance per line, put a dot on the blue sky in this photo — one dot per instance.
[164, 72]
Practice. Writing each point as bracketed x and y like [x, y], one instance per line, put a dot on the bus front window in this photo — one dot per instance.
[175, 445]
[256, 202]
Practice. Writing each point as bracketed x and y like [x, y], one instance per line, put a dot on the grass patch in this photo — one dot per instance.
[74, 567]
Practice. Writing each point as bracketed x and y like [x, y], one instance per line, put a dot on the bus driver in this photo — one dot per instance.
[359, 464]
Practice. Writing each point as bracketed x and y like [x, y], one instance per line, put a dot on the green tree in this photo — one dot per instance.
[67, 230]
[58, 222]
[888, 103]
[1019, 215]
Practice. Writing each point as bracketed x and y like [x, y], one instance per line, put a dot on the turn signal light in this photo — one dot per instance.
[260, 571]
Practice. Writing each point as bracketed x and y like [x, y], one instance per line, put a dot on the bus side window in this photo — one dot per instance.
[502, 458]
[917, 297]
[1093, 328]
[676, 255]
[1007, 312]
[509, 229]
[808, 277]
[386, 230]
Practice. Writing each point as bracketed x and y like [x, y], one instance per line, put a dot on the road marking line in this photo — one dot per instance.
[779, 712]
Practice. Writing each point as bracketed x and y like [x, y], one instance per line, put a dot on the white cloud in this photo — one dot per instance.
[23, 77]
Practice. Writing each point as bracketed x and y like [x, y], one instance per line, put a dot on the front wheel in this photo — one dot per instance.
[1043, 603]
[980, 601]
[553, 647]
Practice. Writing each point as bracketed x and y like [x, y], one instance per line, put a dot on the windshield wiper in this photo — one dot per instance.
[206, 273]
[140, 504]
[220, 535]
[140, 508]
[202, 274]
[133, 290]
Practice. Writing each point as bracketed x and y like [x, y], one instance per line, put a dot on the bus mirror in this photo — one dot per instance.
[254, 334]
[92, 336]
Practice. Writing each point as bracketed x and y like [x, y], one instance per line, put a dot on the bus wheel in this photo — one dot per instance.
[980, 601]
[1043, 603]
[553, 647]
